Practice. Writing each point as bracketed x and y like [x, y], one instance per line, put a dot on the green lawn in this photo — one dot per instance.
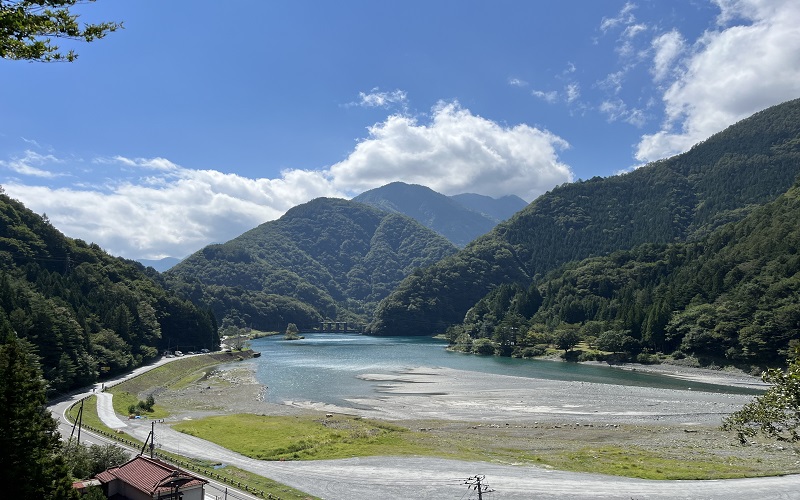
[306, 438]
[317, 438]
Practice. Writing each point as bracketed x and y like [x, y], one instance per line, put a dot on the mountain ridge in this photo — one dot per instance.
[459, 218]
[328, 259]
[677, 199]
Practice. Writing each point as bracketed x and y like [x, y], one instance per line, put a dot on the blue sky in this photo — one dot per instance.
[201, 120]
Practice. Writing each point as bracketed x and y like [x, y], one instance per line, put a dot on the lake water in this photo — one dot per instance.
[324, 367]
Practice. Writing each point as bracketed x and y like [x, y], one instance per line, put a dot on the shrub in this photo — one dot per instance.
[484, 346]
[532, 352]
[647, 359]
[590, 356]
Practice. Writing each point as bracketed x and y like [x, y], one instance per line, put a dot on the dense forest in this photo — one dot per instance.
[681, 199]
[729, 298]
[328, 259]
[86, 313]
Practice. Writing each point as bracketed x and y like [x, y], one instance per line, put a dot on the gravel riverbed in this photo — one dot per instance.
[500, 412]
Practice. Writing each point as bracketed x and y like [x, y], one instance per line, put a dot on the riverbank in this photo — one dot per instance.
[424, 393]
[577, 426]
[724, 376]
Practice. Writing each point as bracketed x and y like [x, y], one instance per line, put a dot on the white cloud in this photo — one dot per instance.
[613, 81]
[185, 210]
[145, 163]
[516, 82]
[377, 99]
[570, 94]
[28, 164]
[731, 73]
[624, 17]
[548, 96]
[456, 152]
[573, 91]
[667, 47]
[618, 110]
[164, 209]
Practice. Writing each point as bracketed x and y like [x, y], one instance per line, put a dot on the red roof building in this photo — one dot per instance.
[146, 478]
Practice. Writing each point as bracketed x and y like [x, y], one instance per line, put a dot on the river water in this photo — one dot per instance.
[324, 367]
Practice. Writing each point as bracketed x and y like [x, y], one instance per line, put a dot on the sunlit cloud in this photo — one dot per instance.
[455, 152]
[29, 164]
[550, 96]
[667, 48]
[624, 17]
[617, 110]
[573, 92]
[377, 99]
[730, 73]
[159, 208]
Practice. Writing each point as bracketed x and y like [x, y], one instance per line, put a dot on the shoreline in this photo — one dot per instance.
[725, 376]
[427, 393]
[511, 414]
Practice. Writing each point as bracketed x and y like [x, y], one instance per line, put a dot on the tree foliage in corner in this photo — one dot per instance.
[27, 28]
[776, 413]
[31, 465]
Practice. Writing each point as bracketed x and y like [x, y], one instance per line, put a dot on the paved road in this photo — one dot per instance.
[431, 478]
[214, 489]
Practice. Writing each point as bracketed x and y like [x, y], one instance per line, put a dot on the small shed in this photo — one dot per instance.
[144, 478]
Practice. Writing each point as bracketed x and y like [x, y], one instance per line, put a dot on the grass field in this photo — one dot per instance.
[306, 438]
[317, 438]
[176, 374]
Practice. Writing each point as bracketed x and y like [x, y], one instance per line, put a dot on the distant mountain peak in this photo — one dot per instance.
[460, 218]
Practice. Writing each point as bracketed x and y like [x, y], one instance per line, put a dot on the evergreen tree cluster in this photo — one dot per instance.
[87, 314]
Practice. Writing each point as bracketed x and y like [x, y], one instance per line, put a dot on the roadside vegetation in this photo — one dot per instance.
[253, 483]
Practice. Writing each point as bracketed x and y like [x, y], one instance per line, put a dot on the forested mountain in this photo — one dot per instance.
[87, 313]
[325, 259]
[497, 209]
[731, 297]
[452, 217]
[682, 198]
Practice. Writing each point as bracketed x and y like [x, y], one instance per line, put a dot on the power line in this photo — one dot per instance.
[474, 483]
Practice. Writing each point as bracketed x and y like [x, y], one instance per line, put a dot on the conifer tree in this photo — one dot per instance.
[30, 462]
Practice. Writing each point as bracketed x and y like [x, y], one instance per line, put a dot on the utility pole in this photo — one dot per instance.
[151, 439]
[474, 483]
[78, 423]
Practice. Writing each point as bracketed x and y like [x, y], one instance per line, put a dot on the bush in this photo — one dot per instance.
[647, 359]
[484, 346]
[590, 356]
[532, 352]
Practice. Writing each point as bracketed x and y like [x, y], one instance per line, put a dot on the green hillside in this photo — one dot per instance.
[730, 298]
[325, 259]
[87, 313]
[678, 199]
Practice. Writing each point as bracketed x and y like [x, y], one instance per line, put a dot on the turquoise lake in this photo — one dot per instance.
[324, 367]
